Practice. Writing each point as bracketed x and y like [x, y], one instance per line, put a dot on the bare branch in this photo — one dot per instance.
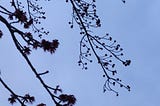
[85, 16]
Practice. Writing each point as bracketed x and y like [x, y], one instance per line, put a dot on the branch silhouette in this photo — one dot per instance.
[20, 15]
[13, 95]
[103, 48]
[85, 16]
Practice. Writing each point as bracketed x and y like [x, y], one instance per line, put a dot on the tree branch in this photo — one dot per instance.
[16, 97]
[27, 60]
[84, 15]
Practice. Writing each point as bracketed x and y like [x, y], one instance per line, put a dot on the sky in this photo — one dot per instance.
[135, 25]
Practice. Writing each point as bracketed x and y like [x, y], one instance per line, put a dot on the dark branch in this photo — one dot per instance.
[84, 14]
[13, 94]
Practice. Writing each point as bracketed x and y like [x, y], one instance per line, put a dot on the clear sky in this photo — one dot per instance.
[135, 25]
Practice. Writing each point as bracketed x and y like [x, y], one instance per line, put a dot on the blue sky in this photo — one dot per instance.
[135, 25]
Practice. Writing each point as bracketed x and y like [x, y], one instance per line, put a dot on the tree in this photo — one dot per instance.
[23, 20]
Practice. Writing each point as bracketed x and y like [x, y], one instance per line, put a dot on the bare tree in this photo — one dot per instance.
[29, 16]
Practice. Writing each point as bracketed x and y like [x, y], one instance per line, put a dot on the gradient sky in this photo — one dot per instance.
[135, 25]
